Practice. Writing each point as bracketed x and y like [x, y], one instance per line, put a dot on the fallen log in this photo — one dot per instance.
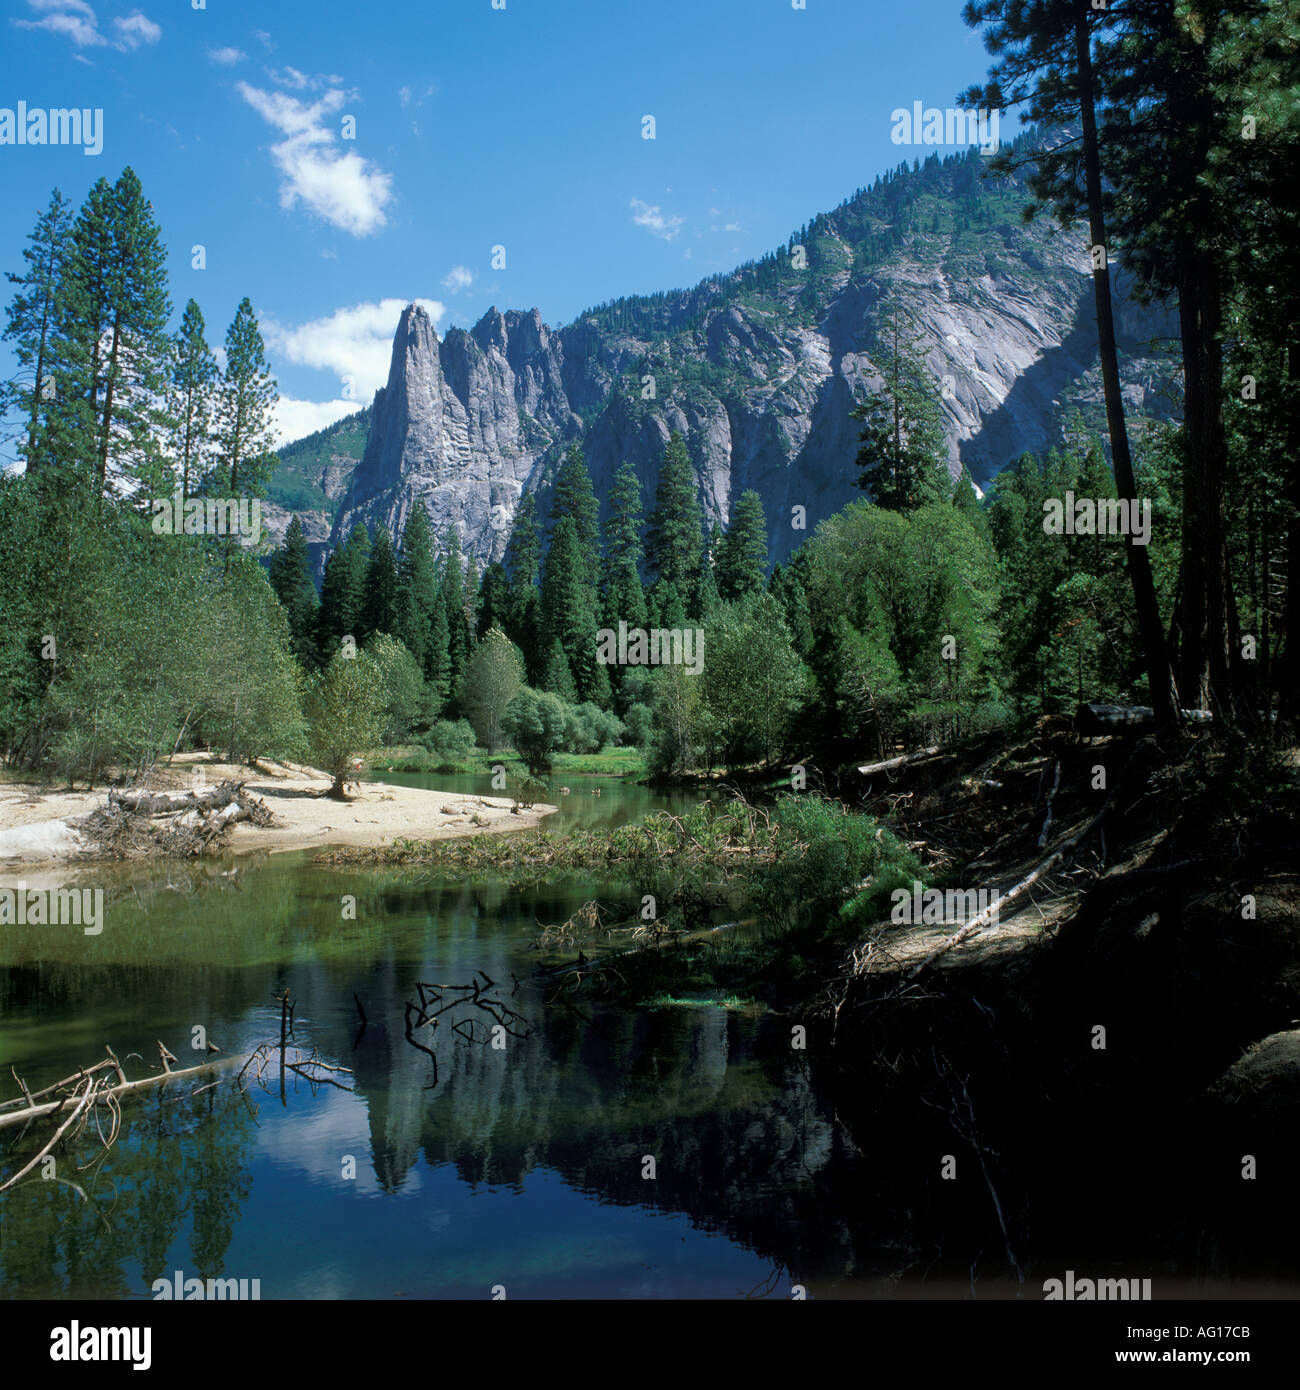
[869, 769]
[33, 1112]
[146, 803]
[978, 923]
[1105, 719]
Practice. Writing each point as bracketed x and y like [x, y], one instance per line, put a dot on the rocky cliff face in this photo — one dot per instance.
[759, 370]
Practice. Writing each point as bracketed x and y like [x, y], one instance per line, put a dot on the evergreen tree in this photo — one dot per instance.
[623, 598]
[111, 348]
[742, 553]
[290, 576]
[31, 321]
[901, 454]
[568, 605]
[190, 400]
[524, 563]
[379, 597]
[342, 593]
[558, 677]
[493, 600]
[472, 582]
[453, 599]
[573, 496]
[246, 398]
[675, 539]
[418, 592]
[437, 665]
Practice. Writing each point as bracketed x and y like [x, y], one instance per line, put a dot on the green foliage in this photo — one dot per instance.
[30, 320]
[493, 677]
[344, 705]
[120, 646]
[534, 723]
[753, 682]
[741, 559]
[675, 540]
[902, 455]
[450, 743]
[379, 588]
[588, 728]
[823, 852]
[568, 602]
[191, 400]
[405, 698]
[290, 577]
[244, 410]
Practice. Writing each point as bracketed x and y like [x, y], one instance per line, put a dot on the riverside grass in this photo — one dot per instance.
[799, 854]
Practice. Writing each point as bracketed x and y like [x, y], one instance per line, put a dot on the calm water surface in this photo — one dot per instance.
[525, 1167]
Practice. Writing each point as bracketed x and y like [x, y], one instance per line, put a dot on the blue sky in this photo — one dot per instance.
[475, 127]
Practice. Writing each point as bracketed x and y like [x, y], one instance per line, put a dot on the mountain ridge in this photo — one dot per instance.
[759, 367]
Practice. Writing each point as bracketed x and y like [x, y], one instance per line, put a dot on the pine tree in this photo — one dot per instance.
[901, 455]
[472, 582]
[568, 606]
[191, 400]
[741, 557]
[290, 576]
[81, 311]
[493, 600]
[524, 562]
[111, 346]
[342, 593]
[623, 599]
[558, 677]
[437, 666]
[574, 497]
[675, 540]
[1045, 58]
[246, 398]
[453, 598]
[418, 592]
[31, 320]
[379, 600]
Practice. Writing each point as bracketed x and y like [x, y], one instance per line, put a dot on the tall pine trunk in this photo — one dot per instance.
[1150, 633]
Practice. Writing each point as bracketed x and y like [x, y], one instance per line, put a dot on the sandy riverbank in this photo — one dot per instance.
[43, 825]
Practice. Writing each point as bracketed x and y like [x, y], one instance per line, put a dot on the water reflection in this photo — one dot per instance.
[528, 1166]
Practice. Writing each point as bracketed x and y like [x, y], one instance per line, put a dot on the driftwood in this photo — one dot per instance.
[13, 1112]
[869, 769]
[978, 923]
[139, 823]
[148, 803]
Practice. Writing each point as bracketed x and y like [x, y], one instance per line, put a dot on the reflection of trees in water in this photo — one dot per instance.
[742, 1145]
[178, 1161]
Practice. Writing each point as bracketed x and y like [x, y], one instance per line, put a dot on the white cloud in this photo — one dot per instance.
[294, 419]
[227, 57]
[76, 20]
[300, 81]
[136, 29]
[654, 221]
[347, 190]
[458, 278]
[263, 38]
[355, 342]
[404, 94]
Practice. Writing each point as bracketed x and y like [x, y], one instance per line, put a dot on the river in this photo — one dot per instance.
[627, 1153]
